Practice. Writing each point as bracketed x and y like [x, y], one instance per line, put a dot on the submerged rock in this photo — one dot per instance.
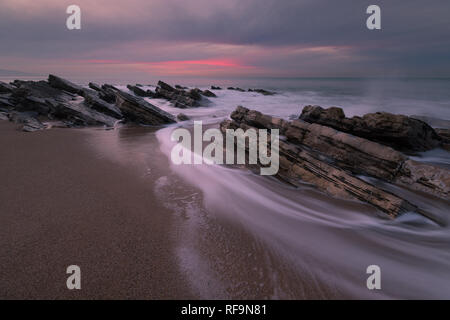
[262, 91]
[398, 131]
[215, 88]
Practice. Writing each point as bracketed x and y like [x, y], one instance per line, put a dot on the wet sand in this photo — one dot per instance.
[62, 204]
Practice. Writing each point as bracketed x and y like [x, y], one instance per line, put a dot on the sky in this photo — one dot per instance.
[135, 39]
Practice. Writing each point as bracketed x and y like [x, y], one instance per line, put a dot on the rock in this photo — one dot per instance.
[38, 96]
[262, 91]
[444, 134]
[182, 117]
[63, 84]
[30, 123]
[236, 89]
[180, 98]
[166, 86]
[208, 93]
[180, 87]
[78, 113]
[195, 94]
[5, 87]
[139, 92]
[140, 111]
[398, 131]
[108, 93]
[6, 102]
[298, 164]
[94, 86]
[351, 153]
[215, 88]
[93, 100]
[434, 122]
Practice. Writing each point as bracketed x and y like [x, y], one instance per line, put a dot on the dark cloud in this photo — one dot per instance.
[414, 38]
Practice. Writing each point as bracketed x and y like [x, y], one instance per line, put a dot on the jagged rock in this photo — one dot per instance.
[78, 113]
[180, 87]
[63, 84]
[262, 91]
[182, 117]
[398, 131]
[195, 94]
[28, 120]
[297, 164]
[208, 93]
[5, 87]
[140, 111]
[180, 98]
[139, 92]
[108, 93]
[354, 154]
[38, 96]
[93, 100]
[94, 86]
[215, 88]
[6, 102]
[236, 89]
[166, 86]
[4, 116]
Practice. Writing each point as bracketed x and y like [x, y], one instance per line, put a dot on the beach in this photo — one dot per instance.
[61, 205]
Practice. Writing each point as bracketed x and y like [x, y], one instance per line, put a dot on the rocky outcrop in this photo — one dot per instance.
[5, 88]
[93, 100]
[329, 159]
[215, 88]
[209, 94]
[182, 117]
[140, 111]
[94, 86]
[63, 84]
[180, 98]
[140, 92]
[262, 91]
[398, 131]
[236, 89]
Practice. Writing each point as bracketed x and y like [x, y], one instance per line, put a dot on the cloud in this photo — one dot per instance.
[289, 37]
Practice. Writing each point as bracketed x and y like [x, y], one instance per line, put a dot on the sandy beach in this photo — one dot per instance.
[62, 205]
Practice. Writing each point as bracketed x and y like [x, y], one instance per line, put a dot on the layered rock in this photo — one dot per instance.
[140, 92]
[63, 84]
[398, 131]
[140, 111]
[345, 152]
[66, 104]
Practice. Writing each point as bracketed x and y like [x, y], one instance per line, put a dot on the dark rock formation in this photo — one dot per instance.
[180, 98]
[5, 87]
[398, 131]
[94, 86]
[182, 117]
[311, 150]
[215, 88]
[140, 111]
[56, 103]
[209, 94]
[63, 84]
[236, 89]
[177, 86]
